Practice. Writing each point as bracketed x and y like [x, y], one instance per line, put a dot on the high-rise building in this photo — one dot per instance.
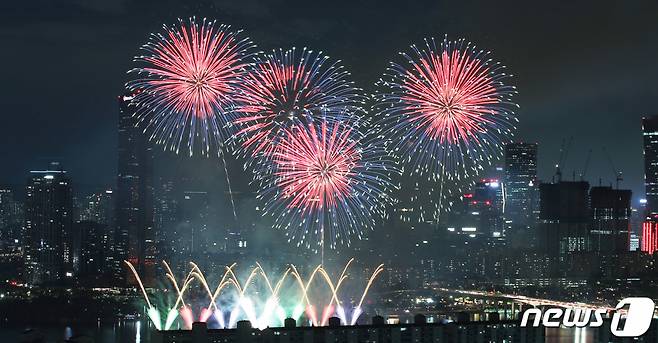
[99, 208]
[134, 236]
[480, 212]
[92, 256]
[634, 242]
[611, 213]
[195, 214]
[650, 134]
[564, 218]
[11, 220]
[166, 218]
[649, 240]
[520, 190]
[48, 224]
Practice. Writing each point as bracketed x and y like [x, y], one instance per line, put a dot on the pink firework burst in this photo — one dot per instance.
[284, 89]
[448, 105]
[314, 170]
[327, 181]
[188, 83]
[447, 113]
[448, 96]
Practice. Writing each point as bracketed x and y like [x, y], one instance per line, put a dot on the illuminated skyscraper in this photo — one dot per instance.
[195, 213]
[649, 240]
[99, 208]
[564, 219]
[49, 226]
[611, 213]
[11, 219]
[135, 234]
[92, 251]
[483, 209]
[166, 218]
[650, 133]
[520, 190]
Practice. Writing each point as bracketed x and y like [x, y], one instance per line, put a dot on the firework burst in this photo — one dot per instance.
[288, 88]
[447, 112]
[327, 180]
[185, 90]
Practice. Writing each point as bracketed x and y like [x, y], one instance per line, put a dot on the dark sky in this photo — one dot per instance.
[586, 70]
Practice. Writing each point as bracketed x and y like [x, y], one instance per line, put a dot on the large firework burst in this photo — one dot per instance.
[447, 111]
[287, 88]
[186, 88]
[327, 181]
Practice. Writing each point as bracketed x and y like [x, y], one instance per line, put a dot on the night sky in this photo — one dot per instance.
[587, 70]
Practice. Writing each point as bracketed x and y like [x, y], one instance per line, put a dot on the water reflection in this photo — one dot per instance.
[136, 331]
[110, 332]
[68, 333]
[568, 335]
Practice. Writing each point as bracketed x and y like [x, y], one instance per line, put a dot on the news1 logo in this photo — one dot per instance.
[638, 317]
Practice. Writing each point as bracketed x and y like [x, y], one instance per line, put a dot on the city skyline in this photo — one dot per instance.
[547, 100]
[327, 171]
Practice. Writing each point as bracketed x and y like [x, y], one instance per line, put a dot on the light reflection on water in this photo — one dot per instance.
[68, 333]
[111, 332]
[134, 331]
[568, 335]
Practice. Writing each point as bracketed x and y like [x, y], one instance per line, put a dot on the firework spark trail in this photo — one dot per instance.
[222, 283]
[300, 282]
[261, 311]
[327, 177]
[339, 309]
[341, 278]
[272, 301]
[310, 309]
[372, 278]
[228, 184]
[179, 291]
[334, 291]
[447, 112]
[358, 310]
[285, 89]
[139, 282]
[152, 312]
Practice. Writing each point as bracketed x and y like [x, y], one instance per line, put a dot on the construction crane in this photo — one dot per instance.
[618, 175]
[584, 171]
[564, 152]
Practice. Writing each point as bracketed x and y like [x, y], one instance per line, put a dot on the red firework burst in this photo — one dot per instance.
[448, 106]
[285, 89]
[189, 81]
[315, 169]
[447, 112]
[449, 95]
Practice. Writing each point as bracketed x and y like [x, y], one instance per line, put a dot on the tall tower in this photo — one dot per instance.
[650, 134]
[649, 241]
[11, 220]
[48, 226]
[611, 214]
[564, 219]
[134, 235]
[520, 190]
[196, 221]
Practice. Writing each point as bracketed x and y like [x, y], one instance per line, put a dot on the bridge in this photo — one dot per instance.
[534, 302]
